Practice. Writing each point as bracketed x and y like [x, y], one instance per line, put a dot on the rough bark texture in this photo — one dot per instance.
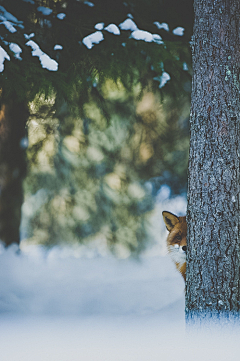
[13, 118]
[213, 258]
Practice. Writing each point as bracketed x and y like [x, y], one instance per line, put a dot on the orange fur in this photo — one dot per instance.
[177, 240]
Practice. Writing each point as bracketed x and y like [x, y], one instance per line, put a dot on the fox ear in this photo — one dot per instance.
[170, 220]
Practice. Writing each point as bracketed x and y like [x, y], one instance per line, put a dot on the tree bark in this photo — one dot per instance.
[213, 260]
[13, 141]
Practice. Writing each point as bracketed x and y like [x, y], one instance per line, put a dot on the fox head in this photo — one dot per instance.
[177, 240]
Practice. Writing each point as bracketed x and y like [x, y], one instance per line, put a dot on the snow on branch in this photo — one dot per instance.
[94, 38]
[45, 60]
[178, 31]
[8, 20]
[127, 25]
[44, 10]
[3, 55]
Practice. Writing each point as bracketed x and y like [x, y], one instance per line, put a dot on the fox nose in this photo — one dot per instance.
[184, 248]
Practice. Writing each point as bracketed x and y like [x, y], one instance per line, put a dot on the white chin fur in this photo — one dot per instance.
[177, 254]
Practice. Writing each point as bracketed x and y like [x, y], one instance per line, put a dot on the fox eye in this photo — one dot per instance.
[178, 237]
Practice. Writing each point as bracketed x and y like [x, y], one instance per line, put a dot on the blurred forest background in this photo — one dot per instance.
[104, 132]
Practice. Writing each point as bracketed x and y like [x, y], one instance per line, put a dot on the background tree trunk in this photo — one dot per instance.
[213, 259]
[13, 141]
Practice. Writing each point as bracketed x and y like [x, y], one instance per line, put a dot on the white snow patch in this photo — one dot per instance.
[124, 338]
[8, 20]
[142, 35]
[163, 79]
[99, 26]
[45, 60]
[29, 36]
[161, 26]
[15, 48]
[8, 16]
[62, 282]
[92, 39]
[185, 66]
[8, 25]
[138, 34]
[61, 16]
[3, 55]
[29, 1]
[130, 16]
[58, 47]
[128, 24]
[89, 3]
[178, 31]
[60, 304]
[112, 28]
[157, 39]
[44, 10]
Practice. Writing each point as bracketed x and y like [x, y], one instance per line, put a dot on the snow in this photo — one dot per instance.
[89, 3]
[29, 1]
[45, 60]
[81, 303]
[61, 16]
[15, 48]
[112, 28]
[138, 34]
[29, 36]
[3, 55]
[161, 26]
[8, 25]
[8, 20]
[99, 26]
[58, 47]
[185, 66]
[157, 39]
[142, 35]
[66, 282]
[128, 24]
[146, 36]
[163, 79]
[8, 16]
[111, 339]
[179, 31]
[93, 38]
[44, 10]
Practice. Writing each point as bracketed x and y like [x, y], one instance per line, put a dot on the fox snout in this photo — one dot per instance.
[177, 240]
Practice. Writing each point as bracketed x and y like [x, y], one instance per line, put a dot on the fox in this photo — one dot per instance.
[177, 240]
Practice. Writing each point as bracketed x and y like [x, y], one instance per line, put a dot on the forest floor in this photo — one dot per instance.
[79, 304]
[99, 309]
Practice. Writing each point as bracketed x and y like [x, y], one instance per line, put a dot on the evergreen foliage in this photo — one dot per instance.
[93, 171]
[92, 144]
[118, 56]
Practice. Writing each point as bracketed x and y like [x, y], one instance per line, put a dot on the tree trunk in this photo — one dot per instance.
[13, 117]
[213, 260]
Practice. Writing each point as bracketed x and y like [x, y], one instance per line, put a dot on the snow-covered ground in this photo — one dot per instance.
[66, 308]
[83, 304]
